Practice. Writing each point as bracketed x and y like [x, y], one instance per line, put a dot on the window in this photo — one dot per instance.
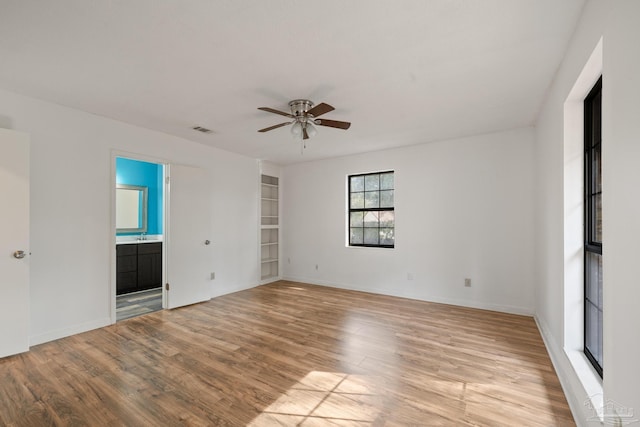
[593, 226]
[371, 212]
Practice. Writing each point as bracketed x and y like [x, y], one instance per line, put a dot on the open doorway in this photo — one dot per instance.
[140, 235]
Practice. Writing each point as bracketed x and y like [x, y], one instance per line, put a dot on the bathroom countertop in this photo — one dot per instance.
[129, 240]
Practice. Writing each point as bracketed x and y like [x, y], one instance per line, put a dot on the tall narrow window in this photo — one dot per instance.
[593, 226]
[371, 210]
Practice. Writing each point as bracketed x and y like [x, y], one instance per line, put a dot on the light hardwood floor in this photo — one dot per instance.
[292, 354]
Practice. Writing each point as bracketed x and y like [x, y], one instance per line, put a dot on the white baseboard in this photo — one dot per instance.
[95, 324]
[68, 331]
[525, 311]
[582, 390]
[222, 290]
[269, 280]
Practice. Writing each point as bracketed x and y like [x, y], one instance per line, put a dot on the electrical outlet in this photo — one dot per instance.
[213, 276]
[467, 282]
[409, 276]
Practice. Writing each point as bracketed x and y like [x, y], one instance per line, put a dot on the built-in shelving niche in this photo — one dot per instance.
[270, 227]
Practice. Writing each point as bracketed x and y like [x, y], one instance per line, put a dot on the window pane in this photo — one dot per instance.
[597, 211]
[593, 306]
[594, 278]
[387, 218]
[357, 200]
[356, 236]
[371, 219]
[386, 181]
[599, 357]
[593, 331]
[597, 119]
[386, 199]
[372, 182]
[597, 170]
[357, 183]
[372, 199]
[356, 219]
[386, 236]
[371, 236]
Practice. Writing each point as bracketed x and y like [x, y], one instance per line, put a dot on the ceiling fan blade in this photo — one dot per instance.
[305, 135]
[274, 127]
[333, 123]
[271, 110]
[320, 109]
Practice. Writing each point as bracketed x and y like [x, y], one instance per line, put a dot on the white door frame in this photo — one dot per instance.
[112, 225]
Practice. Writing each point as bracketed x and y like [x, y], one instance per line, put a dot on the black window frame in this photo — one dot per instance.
[593, 225]
[351, 210]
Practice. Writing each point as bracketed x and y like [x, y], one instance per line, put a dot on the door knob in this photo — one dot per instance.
[19, 254]
[206, 242]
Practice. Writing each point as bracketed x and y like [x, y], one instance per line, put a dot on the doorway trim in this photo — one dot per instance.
[112, 224]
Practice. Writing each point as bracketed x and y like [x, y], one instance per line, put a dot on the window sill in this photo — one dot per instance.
[591, 382]
[370, 247]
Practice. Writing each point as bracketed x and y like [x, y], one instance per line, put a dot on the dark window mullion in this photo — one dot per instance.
[371, 210]
[593, 248]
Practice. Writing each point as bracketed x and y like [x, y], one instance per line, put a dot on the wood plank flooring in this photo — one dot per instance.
[291, 354]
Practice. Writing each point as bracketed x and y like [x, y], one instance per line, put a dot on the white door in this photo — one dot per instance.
[14, 242]
[189, 238]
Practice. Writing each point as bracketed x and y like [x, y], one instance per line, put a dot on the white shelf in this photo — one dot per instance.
[269, 228]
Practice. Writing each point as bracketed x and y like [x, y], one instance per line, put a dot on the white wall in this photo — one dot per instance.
[558, 256]
[616, 22]
[621, 205]
[71, 154]
[464, 208]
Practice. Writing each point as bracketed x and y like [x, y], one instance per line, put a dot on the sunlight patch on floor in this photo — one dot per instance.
[324, 398]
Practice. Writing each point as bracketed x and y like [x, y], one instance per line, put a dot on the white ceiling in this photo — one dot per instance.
[403, 72]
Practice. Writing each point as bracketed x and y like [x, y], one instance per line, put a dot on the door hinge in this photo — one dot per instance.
[167, 180]
[166, 286]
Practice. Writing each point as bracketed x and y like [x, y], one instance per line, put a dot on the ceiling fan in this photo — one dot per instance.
[305, 115]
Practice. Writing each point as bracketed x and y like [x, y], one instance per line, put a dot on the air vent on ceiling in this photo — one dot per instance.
[201, 129]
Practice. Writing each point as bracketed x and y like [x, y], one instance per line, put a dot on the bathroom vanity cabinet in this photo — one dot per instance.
[138, 267]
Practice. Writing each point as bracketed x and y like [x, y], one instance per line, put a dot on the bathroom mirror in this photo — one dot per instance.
[131, 209]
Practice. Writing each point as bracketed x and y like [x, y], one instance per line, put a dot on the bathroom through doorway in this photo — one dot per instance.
[140, 236]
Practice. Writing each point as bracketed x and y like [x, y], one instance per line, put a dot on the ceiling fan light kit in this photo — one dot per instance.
[296, 129]
[311, 130]
[304, 114]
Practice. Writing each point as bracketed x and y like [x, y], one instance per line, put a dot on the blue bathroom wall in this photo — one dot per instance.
[150, 175]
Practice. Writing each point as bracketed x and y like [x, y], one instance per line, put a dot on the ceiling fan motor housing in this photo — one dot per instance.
[299, 107]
